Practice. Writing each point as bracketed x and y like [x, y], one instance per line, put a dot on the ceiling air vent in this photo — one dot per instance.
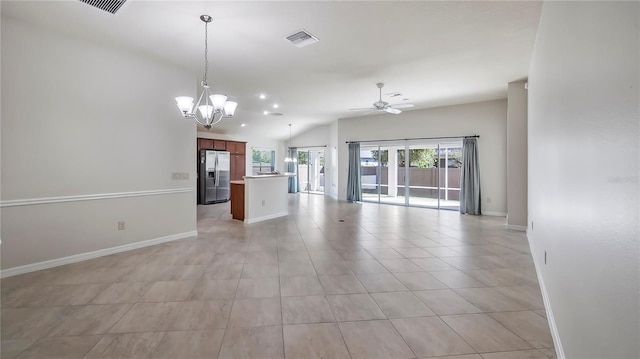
[302, 38]
[275, 114]
[107, 5]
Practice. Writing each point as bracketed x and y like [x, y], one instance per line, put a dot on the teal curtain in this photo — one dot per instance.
[470, 178]
[292, 167]
[354, 189]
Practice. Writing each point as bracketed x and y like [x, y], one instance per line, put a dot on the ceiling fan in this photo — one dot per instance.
[384, 106]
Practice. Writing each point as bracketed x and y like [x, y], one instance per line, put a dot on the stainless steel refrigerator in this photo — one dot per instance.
[213, 177]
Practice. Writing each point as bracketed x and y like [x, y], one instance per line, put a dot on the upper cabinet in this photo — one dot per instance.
[219, 145]
[205, 143]
[211, 144]
[236, 148]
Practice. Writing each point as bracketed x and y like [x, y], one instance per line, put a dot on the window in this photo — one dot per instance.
[264, 160]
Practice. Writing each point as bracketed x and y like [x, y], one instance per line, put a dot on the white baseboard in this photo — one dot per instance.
[495, 214]
[547, 307]
[264, 218]
[517, 228]
[9, 272]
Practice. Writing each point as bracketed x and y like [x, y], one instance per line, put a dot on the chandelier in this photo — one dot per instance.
[210, 108]
[290, 157]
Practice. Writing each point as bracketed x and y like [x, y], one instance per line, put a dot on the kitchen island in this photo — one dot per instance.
[259, 198]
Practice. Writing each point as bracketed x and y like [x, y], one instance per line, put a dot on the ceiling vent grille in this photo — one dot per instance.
[110, 6]
[302, 38]
[275, 114]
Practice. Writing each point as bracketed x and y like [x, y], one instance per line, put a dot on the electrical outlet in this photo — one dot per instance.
[488, 199]
[121, 225]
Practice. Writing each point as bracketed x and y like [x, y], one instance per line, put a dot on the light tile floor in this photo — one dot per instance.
[331, 280]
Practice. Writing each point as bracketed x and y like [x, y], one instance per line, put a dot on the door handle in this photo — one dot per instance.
[217, 180]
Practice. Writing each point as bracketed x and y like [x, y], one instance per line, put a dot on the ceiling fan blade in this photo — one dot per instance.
[394, 111]
[402, 105]
[361, 109]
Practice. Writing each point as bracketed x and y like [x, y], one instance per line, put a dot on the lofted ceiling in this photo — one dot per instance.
[434, 53]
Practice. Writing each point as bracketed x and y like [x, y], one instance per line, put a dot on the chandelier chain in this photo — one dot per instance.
[206, 51]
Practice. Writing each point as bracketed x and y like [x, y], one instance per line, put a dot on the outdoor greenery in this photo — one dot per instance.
[261, 156]
[303, 157]
[420, 157]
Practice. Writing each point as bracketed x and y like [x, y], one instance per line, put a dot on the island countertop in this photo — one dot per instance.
[286, 174]
[259, 198]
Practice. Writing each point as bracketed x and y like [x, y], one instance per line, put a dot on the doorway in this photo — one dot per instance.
[412, 173]
[311, 164]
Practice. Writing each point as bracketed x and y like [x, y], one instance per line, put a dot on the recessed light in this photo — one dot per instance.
[266, 112]
[262, 96]
[275, 105]
[243, 125]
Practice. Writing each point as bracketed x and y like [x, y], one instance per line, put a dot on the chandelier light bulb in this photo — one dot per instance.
[185, 104]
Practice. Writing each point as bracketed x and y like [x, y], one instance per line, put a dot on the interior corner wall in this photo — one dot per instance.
[487, 119]
[87, 119]
[583, 175]
[517, 155]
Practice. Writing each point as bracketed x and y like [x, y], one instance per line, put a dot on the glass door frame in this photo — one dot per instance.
[308, 150]
[439, 146]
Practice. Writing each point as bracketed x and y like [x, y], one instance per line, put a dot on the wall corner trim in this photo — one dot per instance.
[264, 218]
[517, 228]
[495, 214]
[547, 307]
[9, 272]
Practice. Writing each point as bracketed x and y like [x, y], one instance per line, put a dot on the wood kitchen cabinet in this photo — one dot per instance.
[219, 145]
[205, 144]
[237, 167]
[211, 144]
[237, 200]
[236, 148]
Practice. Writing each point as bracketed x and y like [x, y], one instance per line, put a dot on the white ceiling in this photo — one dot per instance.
[434, 53]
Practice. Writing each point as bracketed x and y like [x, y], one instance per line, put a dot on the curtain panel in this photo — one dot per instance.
[470, 178]
[292, 167]
[354, 188]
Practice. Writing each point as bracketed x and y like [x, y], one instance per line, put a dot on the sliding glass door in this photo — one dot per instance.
[423, 174]
[311, 170]
[370, 173]
[450, 169]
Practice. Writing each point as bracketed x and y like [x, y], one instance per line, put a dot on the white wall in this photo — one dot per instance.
[517, 155]
[82, 119]
[583, 174]
[487, 119]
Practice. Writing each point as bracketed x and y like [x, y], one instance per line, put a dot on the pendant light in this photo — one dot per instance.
[290, 157]
[215, 106]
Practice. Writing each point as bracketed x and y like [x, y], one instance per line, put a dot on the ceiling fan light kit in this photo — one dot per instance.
[383, 105]
[210, 108]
